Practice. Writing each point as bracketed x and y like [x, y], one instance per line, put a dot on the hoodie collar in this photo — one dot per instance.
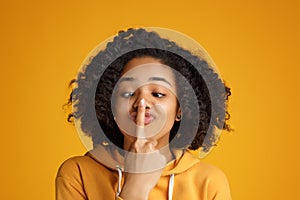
[182, 162]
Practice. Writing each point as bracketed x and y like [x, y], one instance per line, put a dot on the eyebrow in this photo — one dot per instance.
[126, 79]
[150, 79]
[160, 79]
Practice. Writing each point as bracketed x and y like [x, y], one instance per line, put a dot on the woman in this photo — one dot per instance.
[154, 101]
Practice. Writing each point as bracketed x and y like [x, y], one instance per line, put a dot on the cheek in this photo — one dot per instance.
[172, 108]
[170, 112]
[121, 107]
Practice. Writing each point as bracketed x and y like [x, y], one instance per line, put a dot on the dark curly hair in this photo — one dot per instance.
[91, 97]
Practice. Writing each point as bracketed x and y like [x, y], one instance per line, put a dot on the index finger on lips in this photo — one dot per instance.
[140, 119]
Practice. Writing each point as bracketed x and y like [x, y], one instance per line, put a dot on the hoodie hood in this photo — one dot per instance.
[112, 159]
[181, 164]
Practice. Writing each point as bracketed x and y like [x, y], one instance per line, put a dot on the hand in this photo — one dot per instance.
[140, 177]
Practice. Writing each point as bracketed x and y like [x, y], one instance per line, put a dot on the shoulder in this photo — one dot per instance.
[216, 182]
[75, 164]
[199, 167]
[210, 171]
[210, 178]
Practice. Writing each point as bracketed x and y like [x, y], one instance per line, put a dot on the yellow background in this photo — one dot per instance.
[255, 45]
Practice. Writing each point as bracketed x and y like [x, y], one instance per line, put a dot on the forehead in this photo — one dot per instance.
[139, 61]
[145, 68]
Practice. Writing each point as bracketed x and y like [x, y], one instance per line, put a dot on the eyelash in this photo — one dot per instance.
[158, 94]
[130, 94]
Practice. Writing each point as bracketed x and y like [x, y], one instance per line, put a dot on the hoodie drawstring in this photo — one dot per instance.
[119, 181]
[170, 189]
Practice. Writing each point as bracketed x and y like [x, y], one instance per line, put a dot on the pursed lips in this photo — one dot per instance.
[149, 117]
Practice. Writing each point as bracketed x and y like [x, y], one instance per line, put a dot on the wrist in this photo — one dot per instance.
[130, 192]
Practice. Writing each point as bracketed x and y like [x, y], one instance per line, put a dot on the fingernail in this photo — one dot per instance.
[142, 102]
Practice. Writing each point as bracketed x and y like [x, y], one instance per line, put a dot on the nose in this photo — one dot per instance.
[139, 96]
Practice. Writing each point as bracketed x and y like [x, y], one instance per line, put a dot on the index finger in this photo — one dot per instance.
[140, 119]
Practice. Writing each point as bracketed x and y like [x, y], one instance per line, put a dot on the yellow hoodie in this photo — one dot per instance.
[186, 178]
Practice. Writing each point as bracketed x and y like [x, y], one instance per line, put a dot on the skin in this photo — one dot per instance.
[147, 87]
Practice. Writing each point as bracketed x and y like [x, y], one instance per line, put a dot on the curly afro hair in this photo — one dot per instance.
[91, 97]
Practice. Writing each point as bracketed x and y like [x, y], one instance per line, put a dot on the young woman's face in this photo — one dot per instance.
[146, 78]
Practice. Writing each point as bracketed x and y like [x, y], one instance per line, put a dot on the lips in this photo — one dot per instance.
[149, 117]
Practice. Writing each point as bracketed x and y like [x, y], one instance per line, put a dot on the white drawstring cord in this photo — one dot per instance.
[171, 187]
[119, 181]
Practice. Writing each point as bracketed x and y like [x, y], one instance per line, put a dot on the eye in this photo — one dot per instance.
[127, 94]
[158, 94]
